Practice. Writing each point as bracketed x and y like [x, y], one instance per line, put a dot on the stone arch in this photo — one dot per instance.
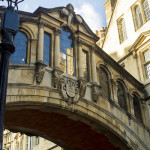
[64, 119]
[106, 67]
[27, 30]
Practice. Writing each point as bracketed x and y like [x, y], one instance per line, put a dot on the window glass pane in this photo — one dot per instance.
[123, 30]
[20, 42]
[146, 9]
[139, 19]
[67, 59]
[147, 68]
[63, 62]
[147, 55]
[85, 64]
[104, 83]
[137, 108]
[46, 52]
[121, 96]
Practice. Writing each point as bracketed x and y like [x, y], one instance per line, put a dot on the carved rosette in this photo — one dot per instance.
[95, 92]
[69, 90]
[40, 70]
[82, 87]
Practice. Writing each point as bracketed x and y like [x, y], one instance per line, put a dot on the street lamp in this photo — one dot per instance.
[9, 28]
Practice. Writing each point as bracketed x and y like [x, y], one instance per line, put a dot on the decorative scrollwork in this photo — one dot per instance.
[96, 92]
[40, 70]
[82, 87]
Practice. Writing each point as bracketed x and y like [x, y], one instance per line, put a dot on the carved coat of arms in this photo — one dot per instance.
[70, 90]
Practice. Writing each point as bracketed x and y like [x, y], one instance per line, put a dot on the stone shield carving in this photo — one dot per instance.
[69, 90]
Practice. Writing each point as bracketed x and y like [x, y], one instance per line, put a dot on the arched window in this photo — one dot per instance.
[67, 59]
[20, 42]
[146, 9]
[46, 52]
[139, 20]
[123, 30]
[137, 108]
[121, 95]
[104, 82]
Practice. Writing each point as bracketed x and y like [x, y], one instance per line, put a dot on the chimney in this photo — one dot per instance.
[109, 8]
[101, 34]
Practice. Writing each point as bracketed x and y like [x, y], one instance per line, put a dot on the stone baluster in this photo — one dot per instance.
[57, 48]
[40, 42]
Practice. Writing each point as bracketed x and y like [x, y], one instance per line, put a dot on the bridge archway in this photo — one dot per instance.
[69, 128]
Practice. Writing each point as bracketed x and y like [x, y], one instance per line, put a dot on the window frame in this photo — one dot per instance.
[73, 47]
[50, 49]
[108, 80]
[140, 4]
[27, 50]
[146, 63]
[124, 95]
[139, 104]
[121, 34]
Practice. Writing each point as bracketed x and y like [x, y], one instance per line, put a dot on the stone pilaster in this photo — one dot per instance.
[130, 107]
[40, 42]
[24, 142]
[57, 48]
[80, 43]
[94, 74]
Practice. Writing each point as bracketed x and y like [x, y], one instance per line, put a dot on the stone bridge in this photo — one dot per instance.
[89, 103]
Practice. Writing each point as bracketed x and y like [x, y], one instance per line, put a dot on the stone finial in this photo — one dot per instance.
[69, 12]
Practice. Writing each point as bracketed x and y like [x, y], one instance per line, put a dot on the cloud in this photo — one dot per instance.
[25, 7]
[92, 18]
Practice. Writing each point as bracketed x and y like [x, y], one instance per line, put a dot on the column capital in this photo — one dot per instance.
[80, 42]
[57, 31]
[41, 23]
[93, 48]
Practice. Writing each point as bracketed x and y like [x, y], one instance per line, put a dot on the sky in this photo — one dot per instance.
[92, 11]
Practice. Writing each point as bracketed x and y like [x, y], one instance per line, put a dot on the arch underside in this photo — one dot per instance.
[67, 129]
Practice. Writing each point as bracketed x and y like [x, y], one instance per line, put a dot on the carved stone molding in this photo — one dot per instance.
[82, 87]
[57, 31]
[96, 92]
[40, 70]
[80, 42]
[41, 23]
[57, 78]
[69, 90]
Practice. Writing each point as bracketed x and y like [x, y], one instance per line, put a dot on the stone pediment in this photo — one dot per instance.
[141, 41]
[69, 17]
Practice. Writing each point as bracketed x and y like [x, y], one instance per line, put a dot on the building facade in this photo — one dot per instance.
[127, 38]
[64, 88]
[17, 141]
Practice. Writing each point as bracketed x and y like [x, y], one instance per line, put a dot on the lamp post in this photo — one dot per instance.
[9, 28]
